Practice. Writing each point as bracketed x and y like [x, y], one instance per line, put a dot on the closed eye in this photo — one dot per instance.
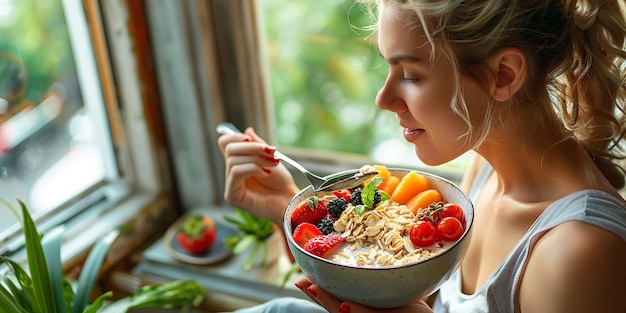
[407, 80]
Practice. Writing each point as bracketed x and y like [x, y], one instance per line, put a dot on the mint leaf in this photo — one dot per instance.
[384, 196]
[369, 190]
[359, 209]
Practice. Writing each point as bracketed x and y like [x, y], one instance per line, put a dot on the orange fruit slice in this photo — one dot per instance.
[423, 199]
[410, 185]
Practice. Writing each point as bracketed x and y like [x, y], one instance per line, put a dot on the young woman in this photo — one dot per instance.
[536, 88]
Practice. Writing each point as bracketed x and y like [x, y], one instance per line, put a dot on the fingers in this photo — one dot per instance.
[253, 135]
[238, 149]
[249, 135]
[317, 294]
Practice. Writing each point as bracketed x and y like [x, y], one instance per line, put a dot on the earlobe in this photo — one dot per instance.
[511, 67]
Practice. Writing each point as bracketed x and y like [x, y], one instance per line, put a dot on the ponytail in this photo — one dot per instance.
[591, 82]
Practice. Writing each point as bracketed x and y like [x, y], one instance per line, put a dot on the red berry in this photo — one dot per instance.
[453, 210]
[343, 193]
[198, 234]
[312, 210]
[323, 245]
[304, 232]
[449, 229]
[423, 234]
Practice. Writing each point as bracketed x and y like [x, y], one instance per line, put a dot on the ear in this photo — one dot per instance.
[510, 67]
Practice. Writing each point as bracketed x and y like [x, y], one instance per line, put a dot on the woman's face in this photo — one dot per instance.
[419, 90]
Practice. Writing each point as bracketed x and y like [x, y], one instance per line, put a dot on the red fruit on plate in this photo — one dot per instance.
[312, 210]
[198, 234]
[323, 245]
[304, 232]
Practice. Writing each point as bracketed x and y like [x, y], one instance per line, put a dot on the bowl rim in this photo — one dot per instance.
[289, 231]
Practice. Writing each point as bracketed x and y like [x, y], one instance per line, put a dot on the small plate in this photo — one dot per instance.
[217, 253]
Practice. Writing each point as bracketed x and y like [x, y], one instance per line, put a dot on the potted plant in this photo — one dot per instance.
[42, 287]
[255, 235]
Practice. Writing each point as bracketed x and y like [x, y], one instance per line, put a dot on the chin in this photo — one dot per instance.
[431, 160]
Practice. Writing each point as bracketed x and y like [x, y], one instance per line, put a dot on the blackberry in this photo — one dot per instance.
[326, 226]
[355, 198]
[337, 206]
[377, 197]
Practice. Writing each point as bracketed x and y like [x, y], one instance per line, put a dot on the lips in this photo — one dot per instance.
[411, 135]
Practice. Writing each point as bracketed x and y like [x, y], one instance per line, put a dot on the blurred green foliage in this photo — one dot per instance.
[35, 49]
[325, 72]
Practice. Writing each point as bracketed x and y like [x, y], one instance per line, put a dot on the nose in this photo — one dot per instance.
[388, 98]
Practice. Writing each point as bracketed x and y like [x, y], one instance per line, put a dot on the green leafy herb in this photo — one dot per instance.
[369, 191]
[253, 234]
[360, 209]
[368, 195]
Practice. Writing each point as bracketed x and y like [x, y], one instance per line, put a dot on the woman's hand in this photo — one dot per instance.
[256, 181]
[334, 305]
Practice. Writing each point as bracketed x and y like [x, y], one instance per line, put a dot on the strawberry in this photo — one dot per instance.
[198, 234]
[304, 232]
[343, 193]
[312, 210]
[323, 245]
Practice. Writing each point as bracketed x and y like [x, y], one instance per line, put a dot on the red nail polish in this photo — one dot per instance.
[273, 160]
[270, 149]
[344, 308]
[246, 139]
[267, 171]
[298, 286]
[313, 293]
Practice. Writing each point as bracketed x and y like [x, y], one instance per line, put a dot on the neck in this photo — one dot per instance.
[535, 164]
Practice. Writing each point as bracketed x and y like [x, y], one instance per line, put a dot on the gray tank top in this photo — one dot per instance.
[497, 293]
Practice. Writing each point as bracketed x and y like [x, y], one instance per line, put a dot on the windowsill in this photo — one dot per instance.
[89, 229]
[228, 277]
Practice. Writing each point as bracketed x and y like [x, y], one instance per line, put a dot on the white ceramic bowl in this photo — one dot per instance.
[384, 287]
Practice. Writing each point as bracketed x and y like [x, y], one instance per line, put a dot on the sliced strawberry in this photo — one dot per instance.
[323, 245]
[343, 193]
[304, 232]
[312, 210]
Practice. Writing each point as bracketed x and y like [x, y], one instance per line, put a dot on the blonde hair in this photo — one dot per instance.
[577, 57]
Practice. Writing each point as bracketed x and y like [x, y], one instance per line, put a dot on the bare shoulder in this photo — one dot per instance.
[575, 267]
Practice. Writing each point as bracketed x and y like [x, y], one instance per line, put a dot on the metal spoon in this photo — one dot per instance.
[317, 183]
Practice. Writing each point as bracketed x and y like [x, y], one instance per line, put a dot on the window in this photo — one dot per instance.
[66, 149]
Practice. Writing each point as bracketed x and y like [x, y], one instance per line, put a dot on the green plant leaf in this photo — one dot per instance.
[97, 304]
[91, 270]
[11, 207]
[167, 295]
[43, 300]
[8, 303]
[19, 295]
[51, 243]
[248, 264]
[244, 244]
[68, 295]
[27, 291]
[251, 224]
